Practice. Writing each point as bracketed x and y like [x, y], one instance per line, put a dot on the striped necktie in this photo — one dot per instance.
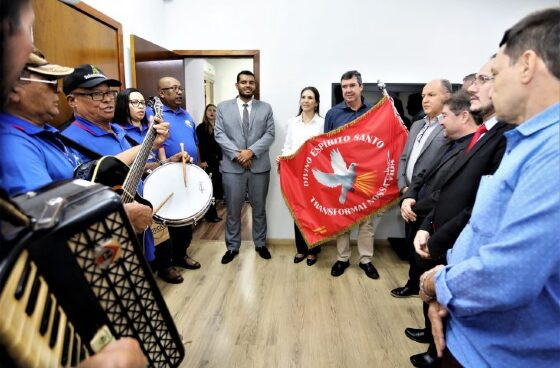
[245, 123]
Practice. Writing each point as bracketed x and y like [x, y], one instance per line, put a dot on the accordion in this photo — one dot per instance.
[77, 280]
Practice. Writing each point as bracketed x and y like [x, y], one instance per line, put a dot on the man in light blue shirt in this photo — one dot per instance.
[501, 288]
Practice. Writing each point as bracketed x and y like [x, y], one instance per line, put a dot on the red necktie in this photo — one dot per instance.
[480, 131]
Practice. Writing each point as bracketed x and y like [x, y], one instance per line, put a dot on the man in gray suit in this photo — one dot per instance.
[245, 130]
[421, 152]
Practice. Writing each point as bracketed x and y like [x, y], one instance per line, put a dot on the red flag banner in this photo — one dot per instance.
[339, 178]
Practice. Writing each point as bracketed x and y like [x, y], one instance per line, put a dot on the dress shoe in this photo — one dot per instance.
[299, 259]
[425, 360]
[420, 335]
[370, 270]
[311, 261]
[229, 256]
[187, 262]
[404, 292]
[170, 275]
[263, 252]
[339, 267]
[215, 219]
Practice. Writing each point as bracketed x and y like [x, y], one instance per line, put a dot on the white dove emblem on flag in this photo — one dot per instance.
[342, 176]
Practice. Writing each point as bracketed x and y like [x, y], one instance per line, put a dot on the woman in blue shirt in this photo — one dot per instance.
[130, 114]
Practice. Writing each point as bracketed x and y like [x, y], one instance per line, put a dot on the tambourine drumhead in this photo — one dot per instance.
[187, 205]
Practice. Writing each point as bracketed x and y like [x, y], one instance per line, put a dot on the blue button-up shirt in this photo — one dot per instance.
[502, 284]
[32, 156]
[182, 129]
[341, 114]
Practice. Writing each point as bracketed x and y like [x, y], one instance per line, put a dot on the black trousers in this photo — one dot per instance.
[162, 256]
[173, 249]
[212, 213]
[301, 245]
[181, 237]
[417, 265]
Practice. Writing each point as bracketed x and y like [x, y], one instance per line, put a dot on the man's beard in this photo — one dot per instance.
[484, 111]
[244, 95]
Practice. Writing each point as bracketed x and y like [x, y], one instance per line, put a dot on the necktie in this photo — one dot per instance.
[245, 123]
[480, 131]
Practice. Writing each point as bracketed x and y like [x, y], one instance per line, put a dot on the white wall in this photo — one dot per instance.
[313, 42]
[194, 88]
[226, 74]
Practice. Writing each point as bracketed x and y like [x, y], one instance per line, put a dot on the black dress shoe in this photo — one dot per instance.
[215, 219]
[229, 256]
[311, 261]
[170, 275]
[370, 270]
[425, 360]
[298, 259]
[404, 292]
[420, 335]
[263, 252]
[184, 263]
[339, 267]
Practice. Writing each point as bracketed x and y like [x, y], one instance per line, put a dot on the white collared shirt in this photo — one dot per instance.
[419, 142]
[489, 124]
[297, 132]
[240, 106]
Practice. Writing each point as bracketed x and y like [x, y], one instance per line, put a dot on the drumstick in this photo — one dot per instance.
[184, 167]
[163, 203]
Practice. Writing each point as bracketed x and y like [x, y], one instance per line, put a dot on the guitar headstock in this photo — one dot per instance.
[158, 108]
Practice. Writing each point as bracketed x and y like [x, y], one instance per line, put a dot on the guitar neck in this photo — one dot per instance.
[137, 167]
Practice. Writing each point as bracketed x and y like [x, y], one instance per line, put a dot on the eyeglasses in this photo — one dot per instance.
[137, 103]
[174, 89]
[98, 96]
[53, 83]
[481, 79]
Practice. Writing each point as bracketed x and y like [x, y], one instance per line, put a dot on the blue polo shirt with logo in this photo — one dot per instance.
[97, 139]
[138, 135]
[32, 157]
[134, 132]
[182, 130]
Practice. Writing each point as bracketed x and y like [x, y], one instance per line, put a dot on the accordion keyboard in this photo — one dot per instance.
[32, 324]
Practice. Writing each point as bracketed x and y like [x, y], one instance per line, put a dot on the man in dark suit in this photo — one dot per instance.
[245, 130]
[482, 157]
[421, 197]
[421, 152]
[455, 198]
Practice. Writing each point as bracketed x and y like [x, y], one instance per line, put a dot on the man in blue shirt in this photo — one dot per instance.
[353, 106]
[182, 130]
[501, 286]
[31, 152]
[89, 94]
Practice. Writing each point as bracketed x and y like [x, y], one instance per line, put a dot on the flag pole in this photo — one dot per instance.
[383, 90]
[381, 87]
